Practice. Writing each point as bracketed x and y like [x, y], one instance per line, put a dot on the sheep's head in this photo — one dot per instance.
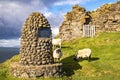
[76, 57]
[58, 50]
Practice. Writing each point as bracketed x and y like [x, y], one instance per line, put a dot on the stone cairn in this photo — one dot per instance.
[36, 58]
[35, 50]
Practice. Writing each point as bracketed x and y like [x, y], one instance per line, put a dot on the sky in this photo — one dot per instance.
[13, 13]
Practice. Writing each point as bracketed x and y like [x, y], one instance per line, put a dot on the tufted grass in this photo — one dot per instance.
[104, 65]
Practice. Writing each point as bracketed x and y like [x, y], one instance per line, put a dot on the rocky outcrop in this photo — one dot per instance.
[106, 18]
[73, 21]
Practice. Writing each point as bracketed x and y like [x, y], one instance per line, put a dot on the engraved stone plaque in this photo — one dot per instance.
[44, 33]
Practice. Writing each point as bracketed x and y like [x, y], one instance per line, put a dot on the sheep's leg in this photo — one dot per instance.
[80, 59]
[53, 46]
[89, 58]
[60, 45]
[54, 59]
[58, 60]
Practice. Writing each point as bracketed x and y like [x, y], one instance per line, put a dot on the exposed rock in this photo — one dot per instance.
[73, 21]
[105, 18]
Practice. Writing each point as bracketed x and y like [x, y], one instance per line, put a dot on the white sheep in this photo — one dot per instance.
[57, 54]
[84, 53]
[56, 42]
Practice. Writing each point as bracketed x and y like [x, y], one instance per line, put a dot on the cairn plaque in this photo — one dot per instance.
[36, 58]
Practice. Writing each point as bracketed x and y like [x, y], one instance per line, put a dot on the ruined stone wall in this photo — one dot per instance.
[34, 49]
[105, 19]
[72, 24]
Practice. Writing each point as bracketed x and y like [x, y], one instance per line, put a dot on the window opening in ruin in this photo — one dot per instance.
[44, 32]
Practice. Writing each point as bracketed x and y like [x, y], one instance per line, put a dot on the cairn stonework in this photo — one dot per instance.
[36, 58]
[36, 45]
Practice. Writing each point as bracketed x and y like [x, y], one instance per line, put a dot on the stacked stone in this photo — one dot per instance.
[72, 25]
[21, 71]
[35, 50]
[106, 19]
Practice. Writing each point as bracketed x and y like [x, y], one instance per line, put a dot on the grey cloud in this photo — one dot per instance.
[12, 16]
[55, 20]
[14, 12]
[9, 30]
[47, 3]
[6, 33]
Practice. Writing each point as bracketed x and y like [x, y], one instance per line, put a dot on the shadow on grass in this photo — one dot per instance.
[91, 59]
[94, 58]
[69, 65]
[62, 47]
[66, 47]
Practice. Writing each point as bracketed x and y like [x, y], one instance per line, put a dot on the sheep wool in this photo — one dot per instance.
[84, 53]
[57, 42]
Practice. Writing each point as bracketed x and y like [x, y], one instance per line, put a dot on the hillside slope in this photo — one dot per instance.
[104, 63]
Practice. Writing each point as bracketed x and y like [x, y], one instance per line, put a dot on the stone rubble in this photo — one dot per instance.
[35, 50]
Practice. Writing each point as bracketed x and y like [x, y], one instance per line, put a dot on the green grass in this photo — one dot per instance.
[104, 65]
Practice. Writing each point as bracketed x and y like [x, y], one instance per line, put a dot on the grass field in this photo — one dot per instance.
[104, 65]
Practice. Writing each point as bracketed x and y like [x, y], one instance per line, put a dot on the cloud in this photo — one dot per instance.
[14, 12]
[9, 42]
[55, 31]
[54, 20]
[13, 15]
[70, 2]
